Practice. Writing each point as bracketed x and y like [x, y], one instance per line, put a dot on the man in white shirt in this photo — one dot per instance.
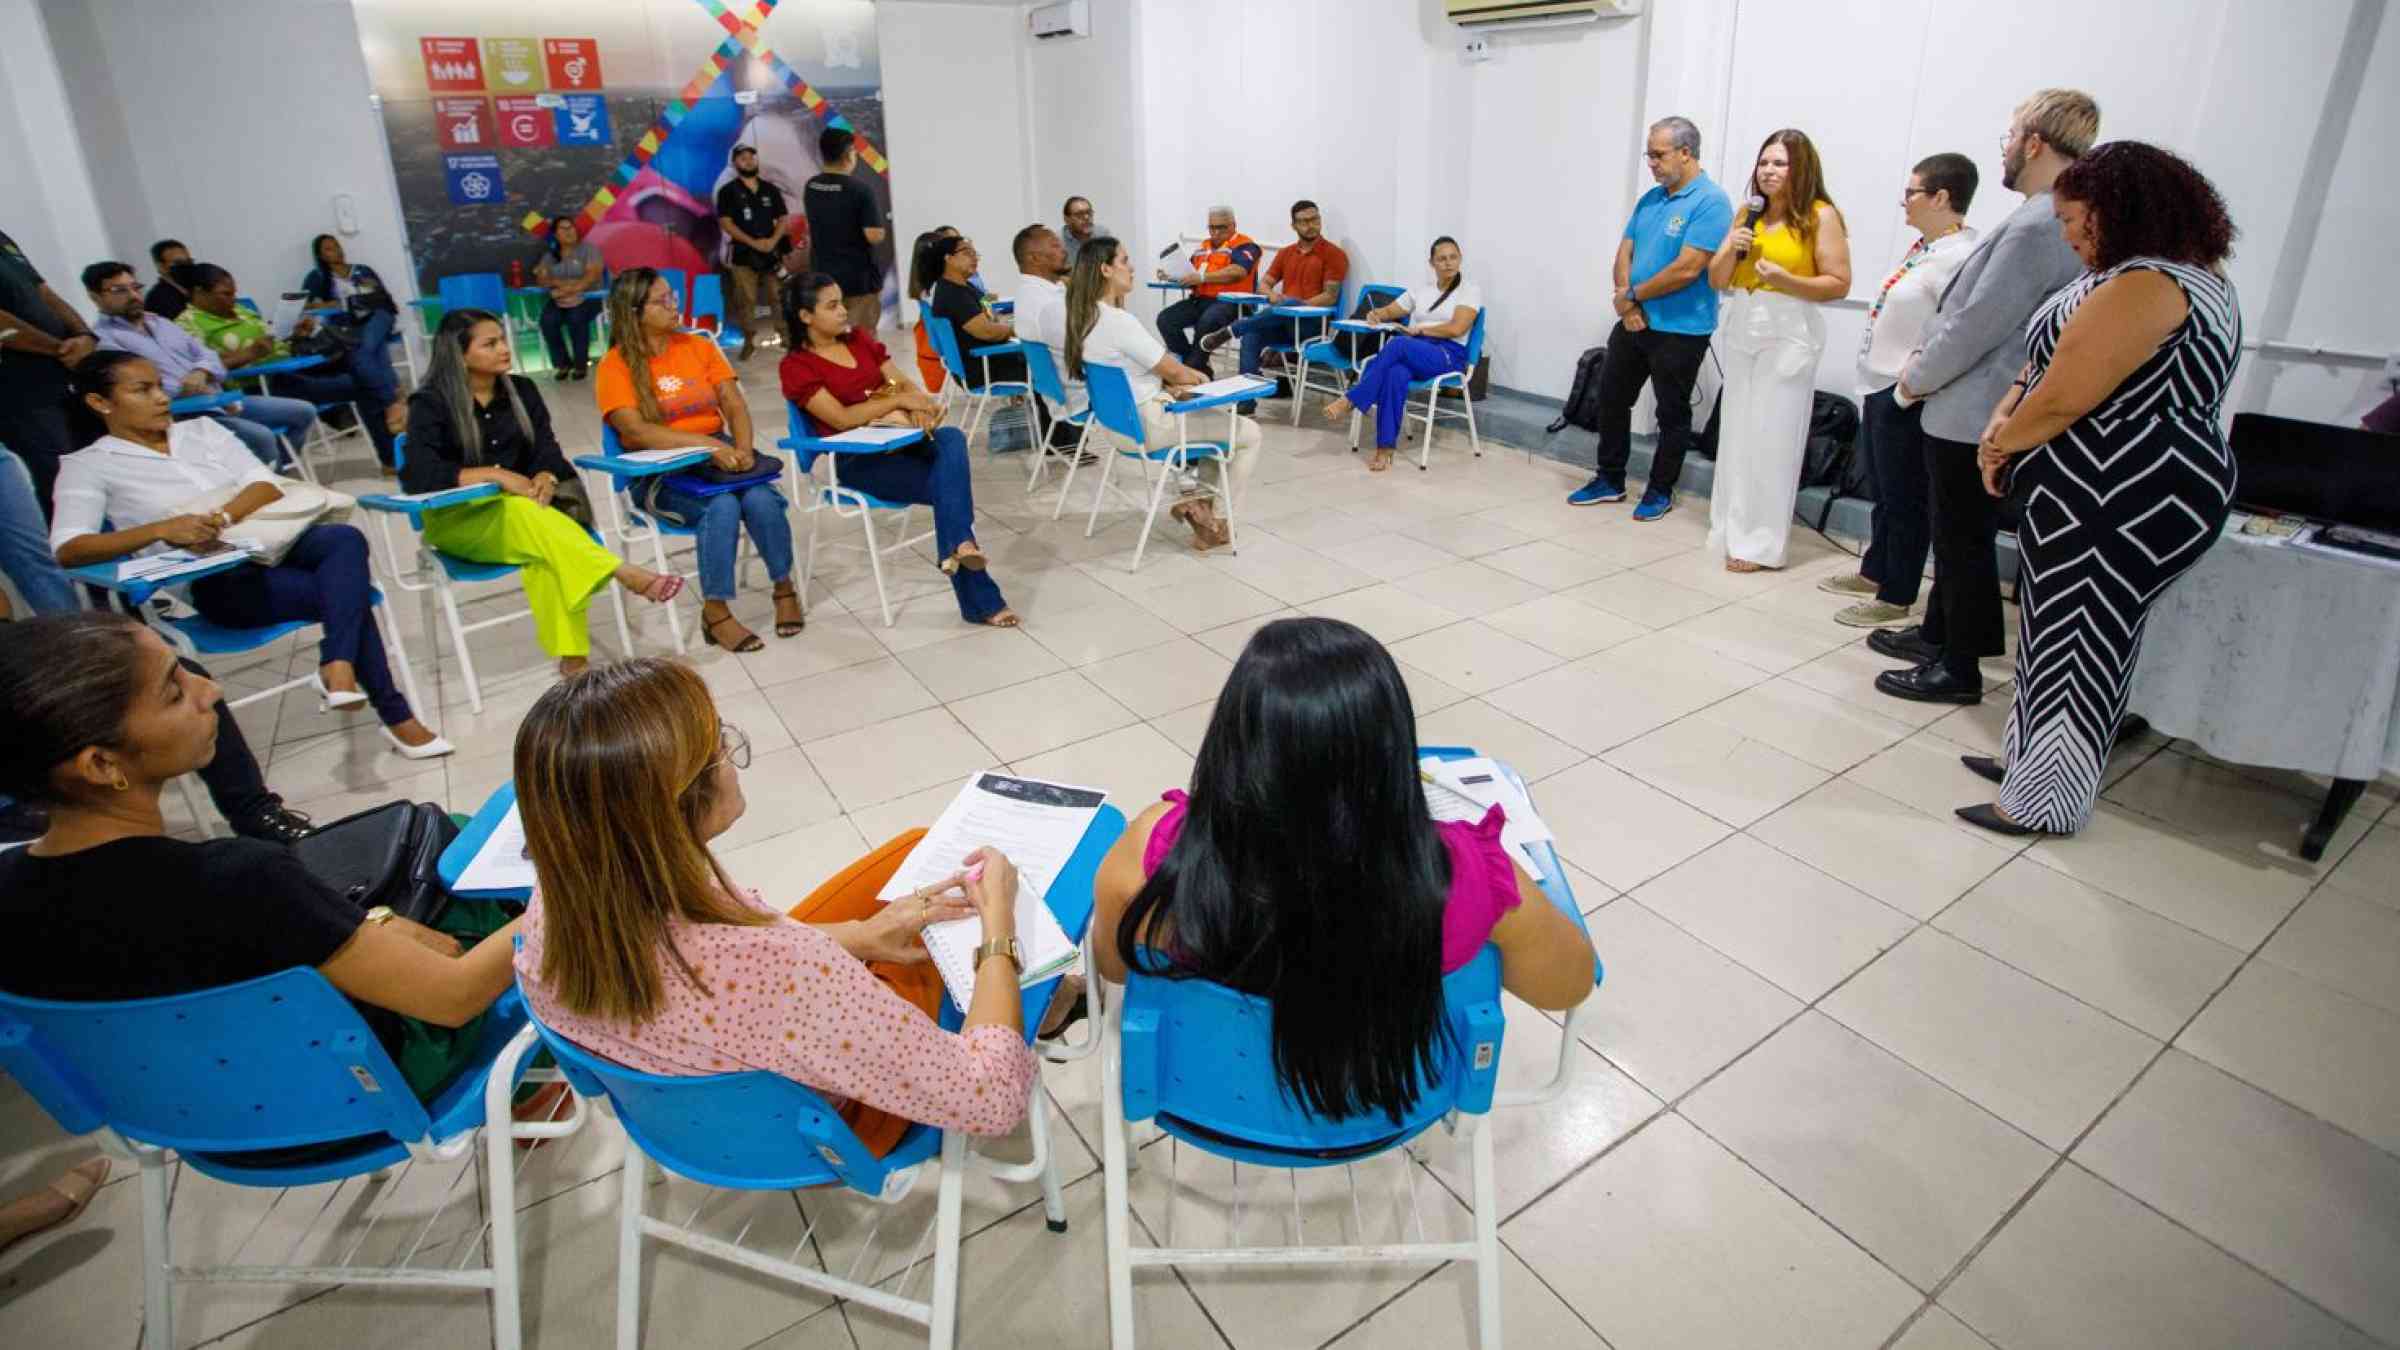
[1041, 316]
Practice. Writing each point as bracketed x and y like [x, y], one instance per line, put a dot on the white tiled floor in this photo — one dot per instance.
[1859, 1076]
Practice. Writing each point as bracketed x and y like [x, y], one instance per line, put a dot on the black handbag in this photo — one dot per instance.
[330, 341]
[385, 855]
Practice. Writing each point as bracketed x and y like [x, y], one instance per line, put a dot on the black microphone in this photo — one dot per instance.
[1756, 207]
[1170, 250]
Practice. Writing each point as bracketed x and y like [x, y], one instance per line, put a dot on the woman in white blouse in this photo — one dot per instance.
[152, 483]
[1939, 191]
[1100, 331]
[1435, 344]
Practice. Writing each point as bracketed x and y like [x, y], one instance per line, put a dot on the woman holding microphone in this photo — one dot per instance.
[1786, 256]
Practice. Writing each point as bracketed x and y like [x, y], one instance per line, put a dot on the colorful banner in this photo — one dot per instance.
[524, 123]
[474, 180]
[512, 65]
[463, 123]
[451, 65]
[574, 62]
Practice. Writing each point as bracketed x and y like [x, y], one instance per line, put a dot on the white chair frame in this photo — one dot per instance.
[815, 499]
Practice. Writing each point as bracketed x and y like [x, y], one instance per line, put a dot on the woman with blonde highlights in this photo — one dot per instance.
[639, 947]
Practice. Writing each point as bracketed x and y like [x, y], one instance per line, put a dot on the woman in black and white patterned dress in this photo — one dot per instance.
[2113, 448]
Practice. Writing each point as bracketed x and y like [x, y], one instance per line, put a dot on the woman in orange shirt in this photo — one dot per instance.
[665, 389]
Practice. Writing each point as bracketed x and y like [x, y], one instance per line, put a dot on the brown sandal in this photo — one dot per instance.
[791, 627]
[747, 642]
[959, 557]
[1381, 460]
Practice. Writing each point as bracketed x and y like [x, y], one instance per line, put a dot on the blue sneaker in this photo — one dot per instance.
[1602, 488]
[1654, 504]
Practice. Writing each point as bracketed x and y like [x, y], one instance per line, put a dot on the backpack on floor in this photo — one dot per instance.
[1830, 458]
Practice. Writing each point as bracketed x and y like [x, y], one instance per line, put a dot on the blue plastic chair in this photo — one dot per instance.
[807, 445]
[447, 572]
[979, 401]
[1454, 380]
[633, 524]
[759, 1131]
[282, 1062]
[679, 284]
[1326, 352]
[708, 311]
[1042, 373]
[1113, 407]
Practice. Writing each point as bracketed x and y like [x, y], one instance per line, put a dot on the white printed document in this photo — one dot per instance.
[176, 562]
[288, 309]
[502, 863]
[1463, 789]
[1231, 384]
[1038, 826]
[873, 435]
[667, 456]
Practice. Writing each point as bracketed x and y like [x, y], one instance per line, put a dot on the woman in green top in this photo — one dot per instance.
[239, 337]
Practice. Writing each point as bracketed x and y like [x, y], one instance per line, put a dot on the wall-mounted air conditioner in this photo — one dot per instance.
[1066, 19]
[1536, 13]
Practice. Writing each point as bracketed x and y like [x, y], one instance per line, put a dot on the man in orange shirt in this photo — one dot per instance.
[1310, 272]
[1228, 261]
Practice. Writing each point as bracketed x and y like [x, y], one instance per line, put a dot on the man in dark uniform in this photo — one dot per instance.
[751, 212]
[44, 339]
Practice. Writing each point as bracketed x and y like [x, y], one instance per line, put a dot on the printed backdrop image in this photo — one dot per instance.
[621, 116]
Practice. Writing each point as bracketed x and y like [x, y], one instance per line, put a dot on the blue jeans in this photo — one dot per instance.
[568, 333]
[323, 580]
[320, 387]
[263, 419]
[720, 520]
[1383, 386]
[373, 363]
[25, 543]
[1262, 328]
[938, 476]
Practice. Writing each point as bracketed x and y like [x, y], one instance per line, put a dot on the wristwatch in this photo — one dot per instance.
[1007, 947]
[380, 915]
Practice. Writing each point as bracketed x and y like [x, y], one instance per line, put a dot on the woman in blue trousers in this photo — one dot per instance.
[1439, 319]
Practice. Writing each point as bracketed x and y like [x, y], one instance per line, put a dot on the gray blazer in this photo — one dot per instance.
[1975, 344]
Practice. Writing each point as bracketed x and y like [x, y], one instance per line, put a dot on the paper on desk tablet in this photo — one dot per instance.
[1037, 825]
[1463, 789]
[288, 309]
[501, 864]
[659, 456]
[1231, 384]
[874, 435]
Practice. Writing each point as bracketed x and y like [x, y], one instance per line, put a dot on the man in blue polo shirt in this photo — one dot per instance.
[1666, 312]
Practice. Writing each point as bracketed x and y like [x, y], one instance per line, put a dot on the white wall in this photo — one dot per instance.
[1086, 118]
[954, 97]
[231, 126]
[51, 210]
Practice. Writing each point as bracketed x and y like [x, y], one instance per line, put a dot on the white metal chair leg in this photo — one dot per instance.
[616, 596]
[1433, 396]
[1474, 437]
[1037, 1123]
[1487, 1239]
[1117, 1209]
[883, 596]
[1107, 470]
[1168, 471]
[389, 623]
[500, 1191]
[630, 1185]
[658, 555]
[458, 643]
[946, 1225]
[1082, 443]
[158, 1287]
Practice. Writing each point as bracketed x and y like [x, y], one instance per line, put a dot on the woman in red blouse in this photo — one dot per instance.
[843, 378]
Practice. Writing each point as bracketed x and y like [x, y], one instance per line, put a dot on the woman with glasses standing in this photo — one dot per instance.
[1783, 260]
[1892, 434]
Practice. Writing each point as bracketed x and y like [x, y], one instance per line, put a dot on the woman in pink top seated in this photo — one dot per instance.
[638, 947]
[1303, 869]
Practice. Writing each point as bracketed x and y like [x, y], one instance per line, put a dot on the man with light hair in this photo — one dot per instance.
[1666, 313]
[1226, 261]
[1967, 366]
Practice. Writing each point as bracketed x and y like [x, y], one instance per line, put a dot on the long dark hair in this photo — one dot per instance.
[1085, 287]
[316, 252]
[924, 264]
[446, 376]
[1307, 872]
[557, 254]
[67, 681]
[799, 297]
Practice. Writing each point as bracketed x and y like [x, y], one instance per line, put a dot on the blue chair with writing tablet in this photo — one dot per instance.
[1042, 373]
[1326, 354]
[278, 1083]
[808, 446]
[759, 1131]
[980, 401]
[443, 575]
[1113, 407]
[1196, 1060]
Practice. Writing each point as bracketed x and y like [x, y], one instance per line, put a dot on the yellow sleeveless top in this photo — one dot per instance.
[1780, 245]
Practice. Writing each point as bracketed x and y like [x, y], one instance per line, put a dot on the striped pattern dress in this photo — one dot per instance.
[2115, 508]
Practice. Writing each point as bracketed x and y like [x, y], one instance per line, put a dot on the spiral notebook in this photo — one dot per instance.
[1038, 825]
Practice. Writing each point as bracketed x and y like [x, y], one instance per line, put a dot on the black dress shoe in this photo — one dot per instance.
[276, 824]
[1904, 644]
[1984, 815]
[1929, 683]
[1556, 427]
[1984, 766]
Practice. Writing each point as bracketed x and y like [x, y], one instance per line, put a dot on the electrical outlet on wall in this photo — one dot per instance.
[1479, 49]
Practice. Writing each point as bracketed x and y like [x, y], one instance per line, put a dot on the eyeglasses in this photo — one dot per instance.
[732, 746]
[122, 288]
[1080, 211]
[1906, 193]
